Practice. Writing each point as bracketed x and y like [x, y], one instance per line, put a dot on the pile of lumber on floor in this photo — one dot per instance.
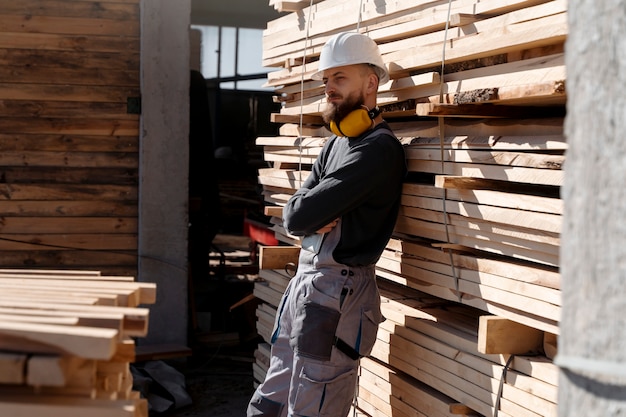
[477, 97]
[66, 342]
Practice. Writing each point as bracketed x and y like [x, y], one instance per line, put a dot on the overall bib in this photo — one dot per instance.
[327, 319]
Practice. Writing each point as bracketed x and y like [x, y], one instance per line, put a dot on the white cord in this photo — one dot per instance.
[300, 127]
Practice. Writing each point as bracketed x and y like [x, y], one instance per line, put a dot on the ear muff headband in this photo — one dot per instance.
[355, 123]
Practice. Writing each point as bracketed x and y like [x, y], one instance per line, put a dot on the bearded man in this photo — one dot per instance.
[345, 213]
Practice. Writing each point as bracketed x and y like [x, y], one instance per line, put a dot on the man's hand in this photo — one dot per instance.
[330, 226]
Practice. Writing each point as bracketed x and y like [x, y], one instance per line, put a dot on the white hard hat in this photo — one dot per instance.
[348, 48]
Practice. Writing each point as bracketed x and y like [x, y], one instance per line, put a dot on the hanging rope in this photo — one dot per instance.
[301, 123]
[501, 386]
[360, 16]
[441, 126]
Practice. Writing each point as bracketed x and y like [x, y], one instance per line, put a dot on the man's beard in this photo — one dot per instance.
[336, 112]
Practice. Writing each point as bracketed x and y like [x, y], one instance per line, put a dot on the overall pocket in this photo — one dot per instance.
[370, 319]
[313, 332]
[324, 391]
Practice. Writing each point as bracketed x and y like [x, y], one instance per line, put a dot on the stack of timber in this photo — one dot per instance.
[69, 134]
[66, 342]
[477, 97]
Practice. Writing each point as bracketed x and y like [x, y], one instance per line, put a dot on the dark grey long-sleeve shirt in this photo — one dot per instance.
[357, 179]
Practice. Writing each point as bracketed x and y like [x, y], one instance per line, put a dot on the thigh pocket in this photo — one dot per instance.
[314, 330]
[370, 319]
[324, 391]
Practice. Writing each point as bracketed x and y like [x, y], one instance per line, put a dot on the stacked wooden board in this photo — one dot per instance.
[470, 279]
[66, 342]
[69, 134]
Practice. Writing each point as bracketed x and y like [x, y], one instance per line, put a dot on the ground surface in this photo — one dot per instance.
[219, 387]
[218, 376]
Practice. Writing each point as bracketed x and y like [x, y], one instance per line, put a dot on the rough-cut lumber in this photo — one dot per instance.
[134, 320]
[509, 216]
[482, 192]
[12, 367]
[488, 238]
[502, 336]
[405, 336]
[67, 74]
[71, 406]
[84, 342]
[277, 257]
[56, 370]
[494, 172]
[145, 293]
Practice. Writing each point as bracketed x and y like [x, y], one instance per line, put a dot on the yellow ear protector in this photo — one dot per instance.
[355, 123]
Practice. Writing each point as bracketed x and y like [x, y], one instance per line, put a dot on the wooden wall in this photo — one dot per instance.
[69, 126]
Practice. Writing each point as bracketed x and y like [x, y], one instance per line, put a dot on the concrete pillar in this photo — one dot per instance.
[592, 344]
[163, 167]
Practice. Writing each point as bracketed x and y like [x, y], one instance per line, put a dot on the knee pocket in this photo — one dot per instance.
[324, 391]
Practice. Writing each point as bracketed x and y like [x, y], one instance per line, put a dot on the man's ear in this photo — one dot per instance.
[372, 83]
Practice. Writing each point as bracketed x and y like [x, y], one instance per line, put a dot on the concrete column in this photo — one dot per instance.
[592, 344]
[164, 155]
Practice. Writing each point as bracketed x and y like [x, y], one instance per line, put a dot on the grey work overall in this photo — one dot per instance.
[327, 318]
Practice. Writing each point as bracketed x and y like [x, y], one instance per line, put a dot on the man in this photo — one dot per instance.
[346, 211]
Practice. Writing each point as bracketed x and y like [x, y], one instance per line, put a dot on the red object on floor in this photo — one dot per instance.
[259, 232]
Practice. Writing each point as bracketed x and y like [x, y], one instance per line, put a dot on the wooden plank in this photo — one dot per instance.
[79, 318]
[60, 76]
[519, 248]
[68, 406]
[415, 267]
[146, 291]
[125, 351]
[415, 20]
[273, 211]
[80, 241]
[497, 335]
[467, 385]
[492, 157]
[62, 42]
[41, 57]
[68, 110]
[484, 213]
[525, 34]
[495, 308]
[56, 371]
[60, 297]
[134, 320]
[45, 273]
[486, 110]
[87, 225]
[443, 337]
[277, 257]
[484, 192]
[470, 289]
[481, 262]
[267, 294]
[82, 25]
[84, 342]
[465, 130]
[21, 175]
[502, 173]
[107, 10]
[543, 31]
[90, 192]
[12, 367]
